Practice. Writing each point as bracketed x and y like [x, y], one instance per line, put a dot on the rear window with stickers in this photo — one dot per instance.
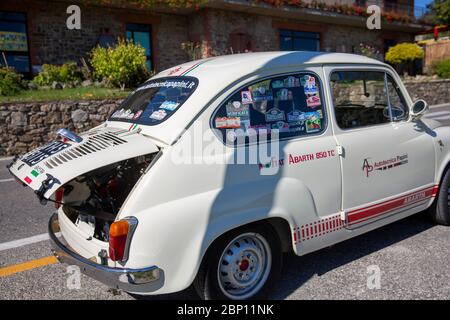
[155, 101]
[291, 104]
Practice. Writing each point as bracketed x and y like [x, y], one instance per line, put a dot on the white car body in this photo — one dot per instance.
[182, 208]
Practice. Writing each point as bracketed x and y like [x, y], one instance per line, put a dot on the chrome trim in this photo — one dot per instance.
[132, 280]
[132, 224]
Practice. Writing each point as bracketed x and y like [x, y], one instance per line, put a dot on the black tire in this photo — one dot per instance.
[206, 284]
[439, 210]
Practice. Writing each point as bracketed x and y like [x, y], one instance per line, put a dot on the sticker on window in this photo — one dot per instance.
[281, 126]
[298, 126]
[169, 105]
[277, 84]
[284, 94]
[246, 97]
[291, 82]
[155, 101]
[237, 109]
[228, 122]
[158, 115]
[309, 86]
[295, 116]
[314, 115]
[313, 101]
[313, 125]
[261, 91]
[275, 114]
[137, 115]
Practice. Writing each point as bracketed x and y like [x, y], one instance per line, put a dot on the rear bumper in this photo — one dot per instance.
[144, 280]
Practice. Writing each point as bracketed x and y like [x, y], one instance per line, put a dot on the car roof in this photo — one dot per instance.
[247, 63]
[218, 73]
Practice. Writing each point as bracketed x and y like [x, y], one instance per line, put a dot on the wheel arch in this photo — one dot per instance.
[281, 230]
[280, 226]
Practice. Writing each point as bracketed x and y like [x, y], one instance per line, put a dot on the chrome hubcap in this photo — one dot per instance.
[244, 266]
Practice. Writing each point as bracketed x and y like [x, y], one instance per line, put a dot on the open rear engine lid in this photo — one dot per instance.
[47, 168]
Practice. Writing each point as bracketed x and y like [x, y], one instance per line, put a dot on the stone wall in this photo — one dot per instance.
[432, 91]
[24, 126]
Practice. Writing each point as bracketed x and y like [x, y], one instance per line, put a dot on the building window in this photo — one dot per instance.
[299, 40]
[142, 34]
[240, 42]
[14, 41]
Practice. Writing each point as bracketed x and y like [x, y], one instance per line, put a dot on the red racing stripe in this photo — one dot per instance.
[387, 206]
[383, 202]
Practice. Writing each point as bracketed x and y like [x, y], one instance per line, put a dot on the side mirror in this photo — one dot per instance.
[419, 108]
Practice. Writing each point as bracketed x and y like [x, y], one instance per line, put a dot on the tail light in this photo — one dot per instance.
[58, 197]
[120, 232]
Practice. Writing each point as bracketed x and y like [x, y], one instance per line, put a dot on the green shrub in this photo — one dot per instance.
[10, 81]
[443, 68]
[66, 73]
[120, 66]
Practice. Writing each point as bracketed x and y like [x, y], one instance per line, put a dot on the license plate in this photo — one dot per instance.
[44, 152]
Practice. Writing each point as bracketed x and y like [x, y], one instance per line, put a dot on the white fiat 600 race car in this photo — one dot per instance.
[211, 170]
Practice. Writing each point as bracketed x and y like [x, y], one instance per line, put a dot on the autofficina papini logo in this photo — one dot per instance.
[367, 167]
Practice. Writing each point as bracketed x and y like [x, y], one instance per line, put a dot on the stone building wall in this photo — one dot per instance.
[50, 41]
[215, 27]
[24, 126]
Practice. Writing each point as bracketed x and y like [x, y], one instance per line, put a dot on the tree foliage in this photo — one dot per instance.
[441, 11]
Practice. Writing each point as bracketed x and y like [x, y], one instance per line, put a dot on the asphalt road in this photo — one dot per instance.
[412, 255]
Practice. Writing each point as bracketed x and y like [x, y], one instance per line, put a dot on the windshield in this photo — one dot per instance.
[155, 101]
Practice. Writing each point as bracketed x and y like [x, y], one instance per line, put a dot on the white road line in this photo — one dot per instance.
[443, 105]
[7, 180]
[441, 118]
[6, 159]
[25, 241]
[438, 113]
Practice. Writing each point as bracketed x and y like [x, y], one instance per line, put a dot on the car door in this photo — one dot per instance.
[304, 173]
[387, 159]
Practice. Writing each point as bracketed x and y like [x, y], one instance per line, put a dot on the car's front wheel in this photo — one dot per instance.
[242, 264]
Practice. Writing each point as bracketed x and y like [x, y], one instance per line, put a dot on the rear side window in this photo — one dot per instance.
[155, 101]
[291, 104]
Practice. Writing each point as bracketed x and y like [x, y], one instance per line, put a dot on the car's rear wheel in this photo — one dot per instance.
[242, 264]
[440, 210]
